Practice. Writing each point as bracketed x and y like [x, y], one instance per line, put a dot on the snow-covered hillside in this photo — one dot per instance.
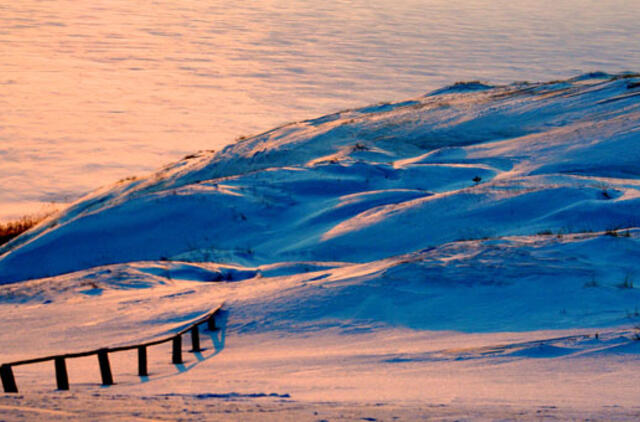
[487, 215]
[468, 162]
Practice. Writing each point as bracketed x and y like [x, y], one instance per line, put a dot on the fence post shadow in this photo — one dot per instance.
[61, 373]
[219, 334]
[199, 357]
[218, 321]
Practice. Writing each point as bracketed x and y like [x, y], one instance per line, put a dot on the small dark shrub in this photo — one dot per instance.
[617, 233]
[628, 75]
[627, 283]
[592, 283]
[612, 232]
[127, 179]
[14, 228]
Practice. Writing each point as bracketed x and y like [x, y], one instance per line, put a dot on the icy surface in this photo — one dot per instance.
[475, 238]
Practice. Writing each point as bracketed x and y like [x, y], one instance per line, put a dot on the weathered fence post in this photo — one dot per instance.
[195, 339]
[105, 367]
[8, 381]
[62, 376]
[142, 361]
[176, 356]
[211, 323]
[62, 379]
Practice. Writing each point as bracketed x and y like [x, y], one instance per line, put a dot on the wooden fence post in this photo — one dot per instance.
[62, 379]
[62, 376]
[176, 356]
[195, 339]
[211, 323]
[105, 367]
[142, 361]
[8, 381]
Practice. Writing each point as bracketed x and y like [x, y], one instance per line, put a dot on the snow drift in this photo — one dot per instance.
[521, 199]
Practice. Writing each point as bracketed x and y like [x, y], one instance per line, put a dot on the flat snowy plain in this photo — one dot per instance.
[450, 256]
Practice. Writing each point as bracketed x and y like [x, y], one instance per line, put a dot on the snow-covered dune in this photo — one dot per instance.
[474, 209]
[467, 162]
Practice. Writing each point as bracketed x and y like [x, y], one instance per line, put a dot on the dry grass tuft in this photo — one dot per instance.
[14, 228]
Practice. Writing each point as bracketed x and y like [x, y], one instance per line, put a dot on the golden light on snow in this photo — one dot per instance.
[96, 91]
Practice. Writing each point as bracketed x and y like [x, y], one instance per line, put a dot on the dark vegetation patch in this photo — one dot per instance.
[14, 228]
[632, 85]
[626, 75]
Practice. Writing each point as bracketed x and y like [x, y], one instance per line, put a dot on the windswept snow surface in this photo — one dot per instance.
[92, 92]
[463, 245]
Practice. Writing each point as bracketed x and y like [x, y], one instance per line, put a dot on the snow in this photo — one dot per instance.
[414, 164]
[99, 91]
[463, 248]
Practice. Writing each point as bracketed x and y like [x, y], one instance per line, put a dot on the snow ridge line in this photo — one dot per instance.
[62, 378]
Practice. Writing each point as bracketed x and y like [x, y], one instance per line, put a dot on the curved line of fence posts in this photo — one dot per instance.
[62, 378]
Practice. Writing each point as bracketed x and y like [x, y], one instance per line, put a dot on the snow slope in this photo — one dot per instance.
[557, 157]
[490, 225]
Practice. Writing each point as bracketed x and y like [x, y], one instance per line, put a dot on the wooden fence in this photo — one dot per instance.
[62, 378]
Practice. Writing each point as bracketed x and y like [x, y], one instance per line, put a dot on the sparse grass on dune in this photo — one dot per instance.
[14, 228]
